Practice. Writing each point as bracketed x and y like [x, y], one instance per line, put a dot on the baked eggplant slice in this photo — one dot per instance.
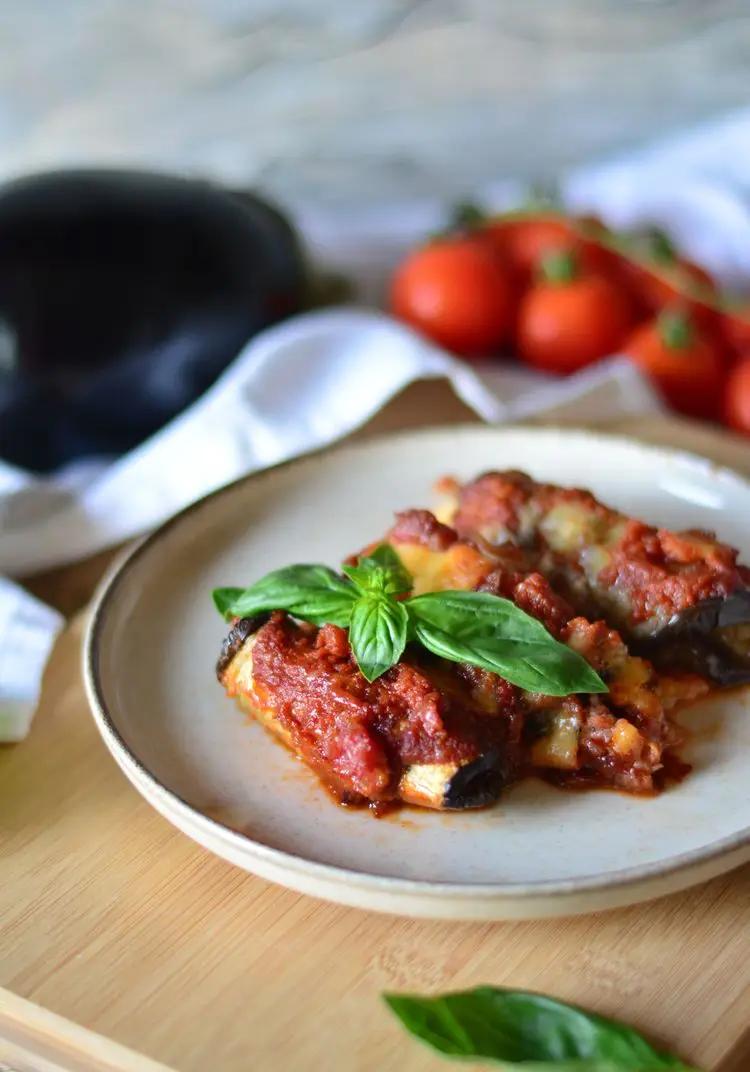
[454, 786]
[369, 743]
[712, 639]
[679, 598]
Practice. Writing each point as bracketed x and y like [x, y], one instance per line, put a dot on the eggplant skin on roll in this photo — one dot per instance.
[680, 598]
[449, 735]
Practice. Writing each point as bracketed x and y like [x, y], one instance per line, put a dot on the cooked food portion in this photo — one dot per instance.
[618, 739]
[420, 716]
[417, 734]
[679, 597]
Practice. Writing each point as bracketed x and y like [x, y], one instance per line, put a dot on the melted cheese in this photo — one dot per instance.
[558, 748]
[626, 740]
[570, 527]
[446, 507]
[459, 567]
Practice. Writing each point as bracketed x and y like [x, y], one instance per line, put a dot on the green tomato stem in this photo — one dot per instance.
[559, 266]
[675, 329]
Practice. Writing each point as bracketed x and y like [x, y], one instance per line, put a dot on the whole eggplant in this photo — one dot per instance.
[123, 295]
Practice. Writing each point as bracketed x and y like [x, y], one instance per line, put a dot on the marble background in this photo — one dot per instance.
[344, 100]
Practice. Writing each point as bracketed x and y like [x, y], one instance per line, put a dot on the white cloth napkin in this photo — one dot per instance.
[316, 378]
[27, 633]
[298, 386]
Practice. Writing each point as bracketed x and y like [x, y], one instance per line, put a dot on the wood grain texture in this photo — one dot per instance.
[33, 1039]
[116, 921]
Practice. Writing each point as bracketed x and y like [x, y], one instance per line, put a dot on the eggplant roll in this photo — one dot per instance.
[681, 598]
[446, 735]
[625, 739]
[407, 737]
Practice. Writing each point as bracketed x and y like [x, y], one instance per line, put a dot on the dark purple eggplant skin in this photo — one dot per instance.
[692, 641]
[123, 295]
[704, 656]
[241, 630]
[476, 784]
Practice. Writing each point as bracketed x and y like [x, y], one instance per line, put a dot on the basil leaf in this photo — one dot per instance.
[492, 632]
[377, 634]
[225, 598]
[387, 557]
[526, 1031]
[380, 572]
[314, 593]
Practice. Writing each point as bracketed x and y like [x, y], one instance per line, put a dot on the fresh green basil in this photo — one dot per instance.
[377, 634]
[380, 571]
[225, 598]
[466, 627]
[492, 632]
[314, 593]
[526, 1031]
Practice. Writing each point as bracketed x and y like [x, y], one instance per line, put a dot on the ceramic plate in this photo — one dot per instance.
[154, 638]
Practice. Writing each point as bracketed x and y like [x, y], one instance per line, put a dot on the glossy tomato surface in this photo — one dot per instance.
[737, 397]
[564, 326]
[525, 242]
[684, 363]
[735, 331]
[660, 285]
[458, 293]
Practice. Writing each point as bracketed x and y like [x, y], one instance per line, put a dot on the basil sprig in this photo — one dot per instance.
[380, 571]
[377, 633]
[491, 632]
[520, 1030]
[314, 593]
[465, 627]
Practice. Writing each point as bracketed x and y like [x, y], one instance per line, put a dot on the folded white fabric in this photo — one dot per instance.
[27, 632]
[299, 386]
[314, 379]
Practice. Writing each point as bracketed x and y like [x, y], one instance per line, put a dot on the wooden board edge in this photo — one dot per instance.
[738, 1057]
[32, 1039]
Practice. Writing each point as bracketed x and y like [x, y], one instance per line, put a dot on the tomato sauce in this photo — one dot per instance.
[665, 573]
[364, 738]
[656, 573]
[365, 733]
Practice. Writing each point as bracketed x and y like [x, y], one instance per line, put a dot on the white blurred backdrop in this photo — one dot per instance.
[331, 100]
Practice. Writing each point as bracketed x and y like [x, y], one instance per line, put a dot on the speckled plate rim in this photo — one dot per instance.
[409, 897]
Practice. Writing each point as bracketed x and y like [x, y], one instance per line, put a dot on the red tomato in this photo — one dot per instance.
[735, 330]
[663, 285]
[568, 321]
[684, 364]
[737, 397]
[661, 277]
[457, 292]
[525, 242]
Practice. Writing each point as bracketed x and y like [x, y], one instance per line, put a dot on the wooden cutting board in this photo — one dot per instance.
[112, 920]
